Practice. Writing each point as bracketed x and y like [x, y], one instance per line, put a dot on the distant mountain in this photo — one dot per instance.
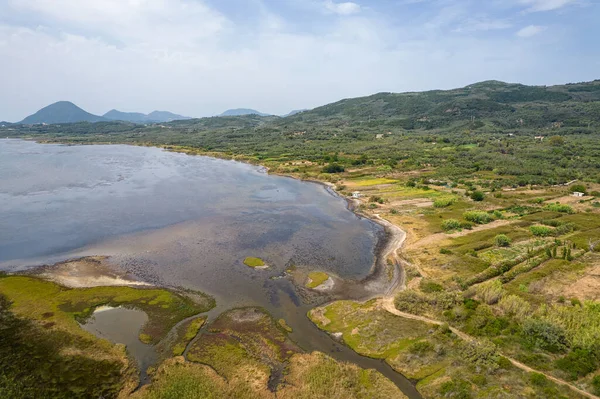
[115, 115]
[137, 117]
[242, 111]
[165, 116]
[61, 112]
[294, 112]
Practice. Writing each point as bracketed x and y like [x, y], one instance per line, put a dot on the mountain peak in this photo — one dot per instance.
[61, 112]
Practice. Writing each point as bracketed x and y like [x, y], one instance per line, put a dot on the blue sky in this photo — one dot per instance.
[200, 57]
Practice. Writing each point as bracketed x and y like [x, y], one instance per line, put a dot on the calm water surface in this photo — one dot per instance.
[185, 221]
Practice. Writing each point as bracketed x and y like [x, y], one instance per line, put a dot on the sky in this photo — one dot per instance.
[201, 57]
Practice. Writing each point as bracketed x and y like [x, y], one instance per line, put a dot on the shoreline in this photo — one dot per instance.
[381, 251]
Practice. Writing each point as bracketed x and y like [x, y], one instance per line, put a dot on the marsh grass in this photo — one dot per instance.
[315, 279]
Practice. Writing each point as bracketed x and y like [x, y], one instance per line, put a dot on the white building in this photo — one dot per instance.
[578, 194]
[356, 194]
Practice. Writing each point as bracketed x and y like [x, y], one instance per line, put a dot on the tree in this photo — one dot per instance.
[580, 188]
[333, 168]
[477, 196]
[502, 240]
[557, 141]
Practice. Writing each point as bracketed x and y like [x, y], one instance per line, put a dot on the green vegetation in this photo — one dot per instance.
[254, 262]
[44, 352]
[502, 240]
[478, 217]
[188, 332]
[315, 279]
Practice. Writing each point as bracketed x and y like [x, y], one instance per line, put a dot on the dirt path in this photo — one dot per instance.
[387, 304]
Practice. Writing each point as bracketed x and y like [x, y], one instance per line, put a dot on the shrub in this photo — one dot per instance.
[333, 168]
[444, 202]
[466, 225]
[596, 384]
[538, 379]
[578, 363]
[478, 217]
[456, 389]
[483, 354]
[420, 347]
[450, 224]
[541, 231]
[490, 292]
[445, 251]
[477, 196]
[578, 188]
[502, 240]
[559, 208]
[544, 334]
[429, 286]
[514, 306]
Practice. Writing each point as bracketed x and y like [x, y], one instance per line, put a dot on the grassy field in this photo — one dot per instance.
[315, 279]
[44, 352]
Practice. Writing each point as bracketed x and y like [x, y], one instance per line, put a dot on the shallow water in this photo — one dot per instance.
[122, 326]
[187, 221]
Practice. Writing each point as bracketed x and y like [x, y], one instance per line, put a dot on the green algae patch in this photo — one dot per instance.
[284, 325]
[315, 279]
[186, 333]
[254, 262]
[33, 298]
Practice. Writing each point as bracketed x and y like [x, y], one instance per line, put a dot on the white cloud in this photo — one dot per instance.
[189, 58]
[546, 5]
[530, 31]
[346, 8]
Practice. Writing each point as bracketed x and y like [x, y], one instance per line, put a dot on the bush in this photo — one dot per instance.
[478, 217]
[596, 384]
[466, 225]
[538, 379]
[456, 389]
[420, 347]
[578, 363]
[482, 354]
[502, 240]
[429, 286]
[444, 202]
[544, 334]
[450, 224]
[477, 196]
[333, 168]
[490, 292]
[541, 231]
[559, 208]
[578, 188]
[514, 306]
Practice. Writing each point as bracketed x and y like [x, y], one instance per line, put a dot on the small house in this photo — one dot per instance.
[578, 194]
[356, 194]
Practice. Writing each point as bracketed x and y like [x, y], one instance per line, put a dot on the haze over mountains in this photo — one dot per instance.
[242, 112]
[67, 112]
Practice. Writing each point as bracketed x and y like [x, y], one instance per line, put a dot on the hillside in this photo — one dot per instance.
[493, 103]
[241, 112]
[61, 112]
[489, 126]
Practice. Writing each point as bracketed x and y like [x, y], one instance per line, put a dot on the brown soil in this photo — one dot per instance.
[87, 272]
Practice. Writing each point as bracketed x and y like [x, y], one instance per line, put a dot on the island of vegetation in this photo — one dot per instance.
[255, 263]
[497, 187]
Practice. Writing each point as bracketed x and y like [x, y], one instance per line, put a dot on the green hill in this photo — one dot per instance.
[61, 112]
